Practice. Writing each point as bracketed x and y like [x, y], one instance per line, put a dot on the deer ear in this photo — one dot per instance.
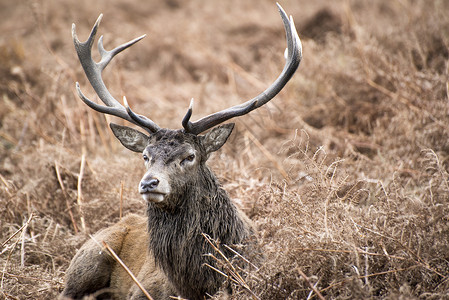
[132, 139]
[217, 137]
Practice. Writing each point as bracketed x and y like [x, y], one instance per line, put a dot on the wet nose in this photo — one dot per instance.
[147, 186]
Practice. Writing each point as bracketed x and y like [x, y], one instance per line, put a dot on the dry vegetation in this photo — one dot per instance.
[345, 173]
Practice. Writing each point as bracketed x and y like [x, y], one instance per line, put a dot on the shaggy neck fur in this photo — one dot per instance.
[203, 207]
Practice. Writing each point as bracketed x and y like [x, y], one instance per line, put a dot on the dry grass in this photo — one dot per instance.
[345, 173]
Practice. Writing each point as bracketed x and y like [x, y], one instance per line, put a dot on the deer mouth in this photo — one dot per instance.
[153, 196]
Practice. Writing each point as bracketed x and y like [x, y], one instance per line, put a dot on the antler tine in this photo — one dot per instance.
[139, 119]
[186, 120]
[293, 59]
[93, 72]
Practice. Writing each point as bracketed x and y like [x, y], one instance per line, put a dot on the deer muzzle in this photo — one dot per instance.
[153, 189]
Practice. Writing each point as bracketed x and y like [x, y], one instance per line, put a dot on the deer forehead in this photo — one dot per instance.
[169, 145]
[169, 153]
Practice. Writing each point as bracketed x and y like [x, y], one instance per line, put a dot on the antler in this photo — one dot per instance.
[293, 58]
[93, 72]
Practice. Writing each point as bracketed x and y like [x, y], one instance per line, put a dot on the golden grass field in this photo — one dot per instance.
[345, 173]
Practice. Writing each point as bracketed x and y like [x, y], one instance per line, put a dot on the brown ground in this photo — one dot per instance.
[345, 172]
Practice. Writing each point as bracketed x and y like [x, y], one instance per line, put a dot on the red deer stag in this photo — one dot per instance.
[166, 249]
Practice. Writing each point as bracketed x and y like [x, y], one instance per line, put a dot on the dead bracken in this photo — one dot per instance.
[345, 174]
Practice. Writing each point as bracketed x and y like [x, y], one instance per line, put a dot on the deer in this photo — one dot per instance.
[167, 248]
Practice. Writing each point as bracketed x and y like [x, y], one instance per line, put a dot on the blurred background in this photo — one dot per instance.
[345, 172]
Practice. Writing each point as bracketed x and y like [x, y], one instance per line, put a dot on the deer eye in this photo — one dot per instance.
[189, 158]
[145, 158]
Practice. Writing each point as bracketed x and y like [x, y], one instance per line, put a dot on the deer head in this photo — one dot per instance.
[174, 159]
[172, 156]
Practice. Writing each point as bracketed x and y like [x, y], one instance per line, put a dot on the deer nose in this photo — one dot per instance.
[147, 186]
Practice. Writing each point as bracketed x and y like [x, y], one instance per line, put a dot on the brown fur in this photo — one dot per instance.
[108, 278]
